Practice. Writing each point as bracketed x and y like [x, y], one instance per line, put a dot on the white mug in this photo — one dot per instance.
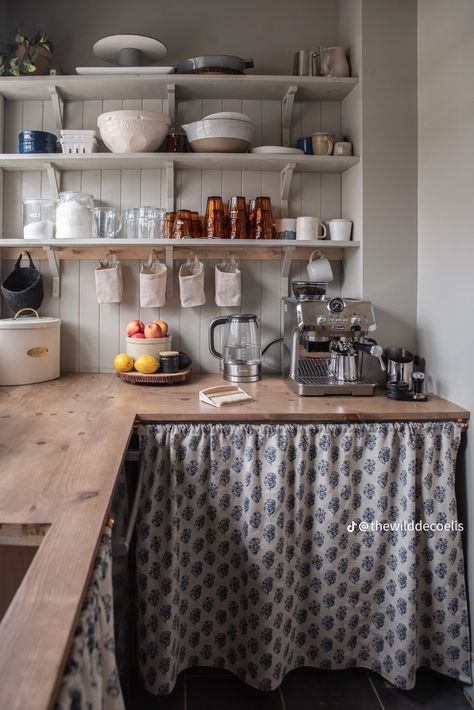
[340, 230]
[308, 228]
[319, 268]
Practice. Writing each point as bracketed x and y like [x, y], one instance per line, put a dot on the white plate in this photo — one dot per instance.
[232, 115]
[277, 149]
[108, 48]
[97, 71]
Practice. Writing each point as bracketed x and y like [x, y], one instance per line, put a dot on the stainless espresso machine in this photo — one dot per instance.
[325, 340]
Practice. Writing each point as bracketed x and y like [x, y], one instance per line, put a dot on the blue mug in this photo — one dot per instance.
[305, 144]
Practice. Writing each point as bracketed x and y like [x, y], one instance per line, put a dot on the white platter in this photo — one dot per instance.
[276, 150]
[97, 71]
[108, 48]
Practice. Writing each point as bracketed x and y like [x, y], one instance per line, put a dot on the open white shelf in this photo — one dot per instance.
[188, 86]
[181, 161]
[219, 243]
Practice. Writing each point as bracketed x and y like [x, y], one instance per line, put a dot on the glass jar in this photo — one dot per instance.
[39, 217]
[74, 215]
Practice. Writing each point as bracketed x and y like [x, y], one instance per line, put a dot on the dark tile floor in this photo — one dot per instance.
[302, 689]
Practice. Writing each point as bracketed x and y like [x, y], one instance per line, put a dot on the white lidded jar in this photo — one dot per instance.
[39, 217]
[74, 216]
[29, 348]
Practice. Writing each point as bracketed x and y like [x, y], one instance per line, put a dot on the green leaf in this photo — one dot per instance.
[27, 67]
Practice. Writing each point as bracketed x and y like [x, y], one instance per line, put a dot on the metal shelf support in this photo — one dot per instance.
[287, 104]
[55, 266]
[286, 177]
[57, 103]
[54, 178]
[171, 91]
[287, 253]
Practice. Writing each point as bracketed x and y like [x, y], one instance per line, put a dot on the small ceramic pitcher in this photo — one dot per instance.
[323, 143]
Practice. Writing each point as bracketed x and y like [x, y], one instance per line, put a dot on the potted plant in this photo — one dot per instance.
[27, 55]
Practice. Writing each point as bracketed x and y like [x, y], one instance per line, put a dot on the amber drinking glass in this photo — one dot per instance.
[237, 219]
[196, 225]
[182, 228]
[214, 222]
[263, 228]
[169, 222]
[251, 220]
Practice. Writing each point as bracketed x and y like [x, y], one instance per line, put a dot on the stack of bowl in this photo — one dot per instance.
[224, 132]
[37, 142]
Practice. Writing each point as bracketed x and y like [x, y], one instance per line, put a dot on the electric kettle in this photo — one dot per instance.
[241, 357]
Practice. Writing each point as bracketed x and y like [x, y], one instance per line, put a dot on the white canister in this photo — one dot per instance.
[340, 230]
[29, 349]
[308, 228]
[136, 347]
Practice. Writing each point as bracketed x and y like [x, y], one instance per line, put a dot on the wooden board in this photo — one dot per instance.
[156, 378]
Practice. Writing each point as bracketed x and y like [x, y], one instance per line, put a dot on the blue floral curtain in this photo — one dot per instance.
[261, 548]
[91, 678]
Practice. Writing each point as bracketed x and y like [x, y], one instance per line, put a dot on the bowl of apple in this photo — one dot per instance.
[147, 339]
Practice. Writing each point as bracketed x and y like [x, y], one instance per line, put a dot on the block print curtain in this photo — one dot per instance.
[252, 553]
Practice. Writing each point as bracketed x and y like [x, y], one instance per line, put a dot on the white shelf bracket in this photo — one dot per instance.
[286, 114]
[286, 177]
[57, 103]
[55, 267]
[169, 261]
[285, 269]
[171, 92]
[169, 186]
[54, 177]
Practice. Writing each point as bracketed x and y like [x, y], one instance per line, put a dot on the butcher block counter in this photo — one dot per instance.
[61, 448]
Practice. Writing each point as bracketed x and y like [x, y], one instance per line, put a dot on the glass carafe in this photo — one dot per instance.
[241, 351]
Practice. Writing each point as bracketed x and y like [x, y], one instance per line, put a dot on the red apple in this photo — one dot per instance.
[153, 330]
[138, 335]
[135, 326]
[164, 327]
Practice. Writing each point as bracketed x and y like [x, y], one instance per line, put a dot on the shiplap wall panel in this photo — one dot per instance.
[92, 334]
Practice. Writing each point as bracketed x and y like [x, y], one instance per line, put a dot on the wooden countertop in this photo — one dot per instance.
[61, 447]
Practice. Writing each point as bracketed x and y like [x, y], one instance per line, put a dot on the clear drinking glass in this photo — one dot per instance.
[106, 223]
[130, 223]
[151, 222]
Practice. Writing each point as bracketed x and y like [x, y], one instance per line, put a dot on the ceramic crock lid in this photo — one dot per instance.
[19, 322]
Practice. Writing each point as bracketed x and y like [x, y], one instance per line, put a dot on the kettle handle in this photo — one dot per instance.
[220, 320]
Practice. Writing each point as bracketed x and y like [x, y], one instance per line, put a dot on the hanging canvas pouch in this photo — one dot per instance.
[191, 283]
[153, 283]
[228, 283]
[108, 280]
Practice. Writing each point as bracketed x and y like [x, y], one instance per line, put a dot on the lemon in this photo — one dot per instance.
[147, 364]
[123, 362]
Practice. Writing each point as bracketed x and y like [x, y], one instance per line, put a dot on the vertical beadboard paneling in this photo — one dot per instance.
[88, 318]
[92, 334]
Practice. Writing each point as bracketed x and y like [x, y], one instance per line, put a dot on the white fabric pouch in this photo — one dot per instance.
[109, 281]
[228, 285]
[191, 283]
[153, 283]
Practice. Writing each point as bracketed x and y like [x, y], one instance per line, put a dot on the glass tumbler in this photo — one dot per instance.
[263, 218]
[106, 223]
[169, 224]
[130, 223]
[237, 218]
[214, 222]
[183, 228]
[151, 222]
[39, 219]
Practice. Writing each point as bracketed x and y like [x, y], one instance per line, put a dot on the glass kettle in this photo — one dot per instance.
[241, 357]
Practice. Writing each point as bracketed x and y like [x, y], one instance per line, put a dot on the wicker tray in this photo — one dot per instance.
[157, 378]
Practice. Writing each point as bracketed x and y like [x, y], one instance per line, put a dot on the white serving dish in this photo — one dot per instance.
[82, 145]
[133, 131]
[220, 135]
[136, 71]
[109, 48]
[29, 350]
[232, 115]
[136, 347]
[276, 150]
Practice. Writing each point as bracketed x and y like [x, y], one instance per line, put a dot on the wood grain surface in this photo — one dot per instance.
[61, 447]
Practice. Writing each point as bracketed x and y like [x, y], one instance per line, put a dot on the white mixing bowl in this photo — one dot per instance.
[133, 131]
[220, 135]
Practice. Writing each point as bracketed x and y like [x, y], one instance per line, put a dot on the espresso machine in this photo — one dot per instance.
[325, 340]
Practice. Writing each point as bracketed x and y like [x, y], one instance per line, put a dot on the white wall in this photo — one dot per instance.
[445, 216]
[269, 31]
